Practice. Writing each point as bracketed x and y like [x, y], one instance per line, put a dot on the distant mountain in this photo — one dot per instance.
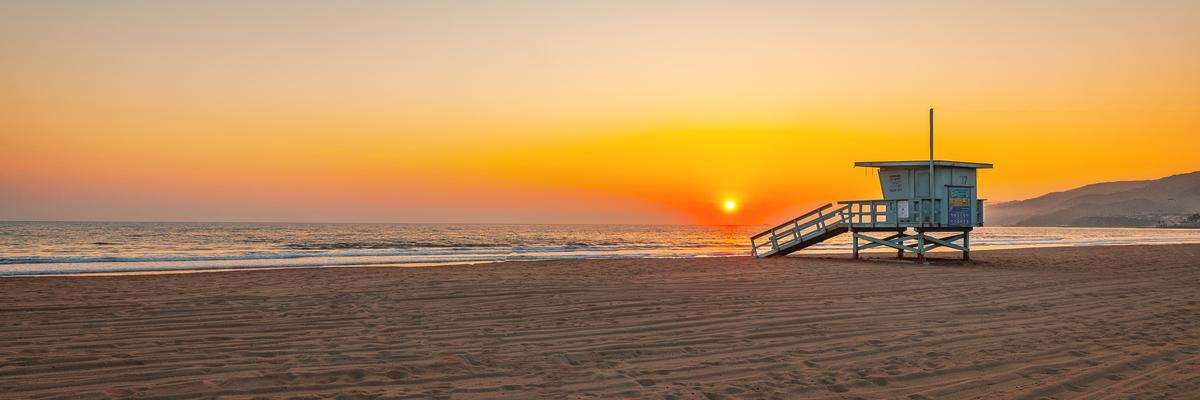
[1171, 201]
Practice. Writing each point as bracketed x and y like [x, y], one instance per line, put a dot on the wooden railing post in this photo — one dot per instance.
[891, 212]
[874, 214]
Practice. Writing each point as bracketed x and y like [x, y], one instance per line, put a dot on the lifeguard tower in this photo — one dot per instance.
[936, 199]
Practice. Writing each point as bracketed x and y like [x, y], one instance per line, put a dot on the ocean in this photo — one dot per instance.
[41, 248]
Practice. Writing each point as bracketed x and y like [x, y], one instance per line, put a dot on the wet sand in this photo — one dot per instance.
[1096, 322]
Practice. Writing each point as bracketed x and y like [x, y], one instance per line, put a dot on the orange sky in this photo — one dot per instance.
[573, 111]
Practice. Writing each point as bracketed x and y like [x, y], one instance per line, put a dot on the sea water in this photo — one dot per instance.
[38, 248]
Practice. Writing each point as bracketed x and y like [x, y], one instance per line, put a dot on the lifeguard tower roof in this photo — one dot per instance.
[921, 163]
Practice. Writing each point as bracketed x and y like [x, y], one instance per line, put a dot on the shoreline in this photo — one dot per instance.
[221, 269]
[814, 254]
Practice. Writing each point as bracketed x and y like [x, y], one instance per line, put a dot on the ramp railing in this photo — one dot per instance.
[810, 225]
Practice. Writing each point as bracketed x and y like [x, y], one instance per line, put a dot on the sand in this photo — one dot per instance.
[1098, 323]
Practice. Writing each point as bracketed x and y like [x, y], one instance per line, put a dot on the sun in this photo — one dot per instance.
[730, 205]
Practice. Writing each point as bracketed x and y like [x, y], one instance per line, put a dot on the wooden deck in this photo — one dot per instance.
[854, 216]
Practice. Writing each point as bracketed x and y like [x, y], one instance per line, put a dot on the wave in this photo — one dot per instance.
[332, 254]
[401, 245]
[386, 245]
[82, 265]
[481, 251]
[53, 248]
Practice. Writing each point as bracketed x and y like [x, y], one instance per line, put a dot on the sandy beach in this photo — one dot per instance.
[1099, 322]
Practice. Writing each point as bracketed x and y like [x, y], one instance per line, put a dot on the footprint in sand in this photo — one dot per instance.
[119, 392]
[356, 375]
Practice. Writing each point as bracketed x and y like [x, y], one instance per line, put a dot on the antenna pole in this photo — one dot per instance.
[931, 158]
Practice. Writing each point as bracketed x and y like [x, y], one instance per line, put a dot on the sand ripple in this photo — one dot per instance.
[1112, 322]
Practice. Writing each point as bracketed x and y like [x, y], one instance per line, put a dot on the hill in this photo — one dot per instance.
[1170, 202]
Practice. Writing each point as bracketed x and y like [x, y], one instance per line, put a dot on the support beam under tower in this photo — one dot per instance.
[924, 242]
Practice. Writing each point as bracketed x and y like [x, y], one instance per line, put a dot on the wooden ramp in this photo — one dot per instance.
[862, 217]
[813, 227]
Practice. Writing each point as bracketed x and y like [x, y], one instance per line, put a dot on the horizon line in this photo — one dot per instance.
[360, 222]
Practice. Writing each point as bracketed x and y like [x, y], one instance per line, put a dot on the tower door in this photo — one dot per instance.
[922, 184]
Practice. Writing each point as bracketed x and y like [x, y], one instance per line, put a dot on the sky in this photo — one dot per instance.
[576, 111]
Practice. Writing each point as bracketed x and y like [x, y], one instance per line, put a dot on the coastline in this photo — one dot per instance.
[941, 254]
[89, 248]
[250, 269]
[1061, 322]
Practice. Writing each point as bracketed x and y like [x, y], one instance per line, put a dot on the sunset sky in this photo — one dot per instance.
[573, 111]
